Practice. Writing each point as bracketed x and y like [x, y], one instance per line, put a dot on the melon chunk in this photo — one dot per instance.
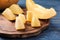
[22, 18]
[35, 22]
[19, 25]
[8, 14]
[16, 9]
[29, 16]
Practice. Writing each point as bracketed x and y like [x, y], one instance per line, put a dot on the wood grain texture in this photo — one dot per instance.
[7, 28]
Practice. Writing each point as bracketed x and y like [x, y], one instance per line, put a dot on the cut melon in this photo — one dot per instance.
[19, 25]
[35, 22]
[8, 14]
[47, 14]
[22, 18]
[29, 16]
[16, 9]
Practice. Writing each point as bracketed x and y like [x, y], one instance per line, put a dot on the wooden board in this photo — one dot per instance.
[7, 29]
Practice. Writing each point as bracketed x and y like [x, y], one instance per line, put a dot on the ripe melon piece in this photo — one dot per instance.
[47, 14]
[8, 14]
[16, 9]
[6, 3]
[35, 22]
[22, 18]
[44, 13]
[29, 16]
[19, 25]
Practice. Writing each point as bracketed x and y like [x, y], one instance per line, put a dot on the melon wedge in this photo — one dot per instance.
[29, 16]
[16, 9]
[22, 18]
[8, 14]
[35, 22]
[47, 14]
[19, 25]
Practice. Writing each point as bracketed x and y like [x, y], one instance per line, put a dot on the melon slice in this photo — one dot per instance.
[22, 18]
[47, 14]
[29, 16]
[35, 22]
[8, 14]
[19, 25]
[16, 9]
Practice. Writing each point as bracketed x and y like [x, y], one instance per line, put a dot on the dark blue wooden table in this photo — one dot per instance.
[53, 31]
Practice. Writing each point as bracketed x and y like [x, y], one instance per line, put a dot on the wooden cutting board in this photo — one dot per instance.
[7, 29]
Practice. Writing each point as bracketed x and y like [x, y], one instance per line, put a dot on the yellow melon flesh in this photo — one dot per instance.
[47, 14]
[16, 9]
[19, 25]
[29, 16]
[22, 18]
[35, 22]
[8, 14]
